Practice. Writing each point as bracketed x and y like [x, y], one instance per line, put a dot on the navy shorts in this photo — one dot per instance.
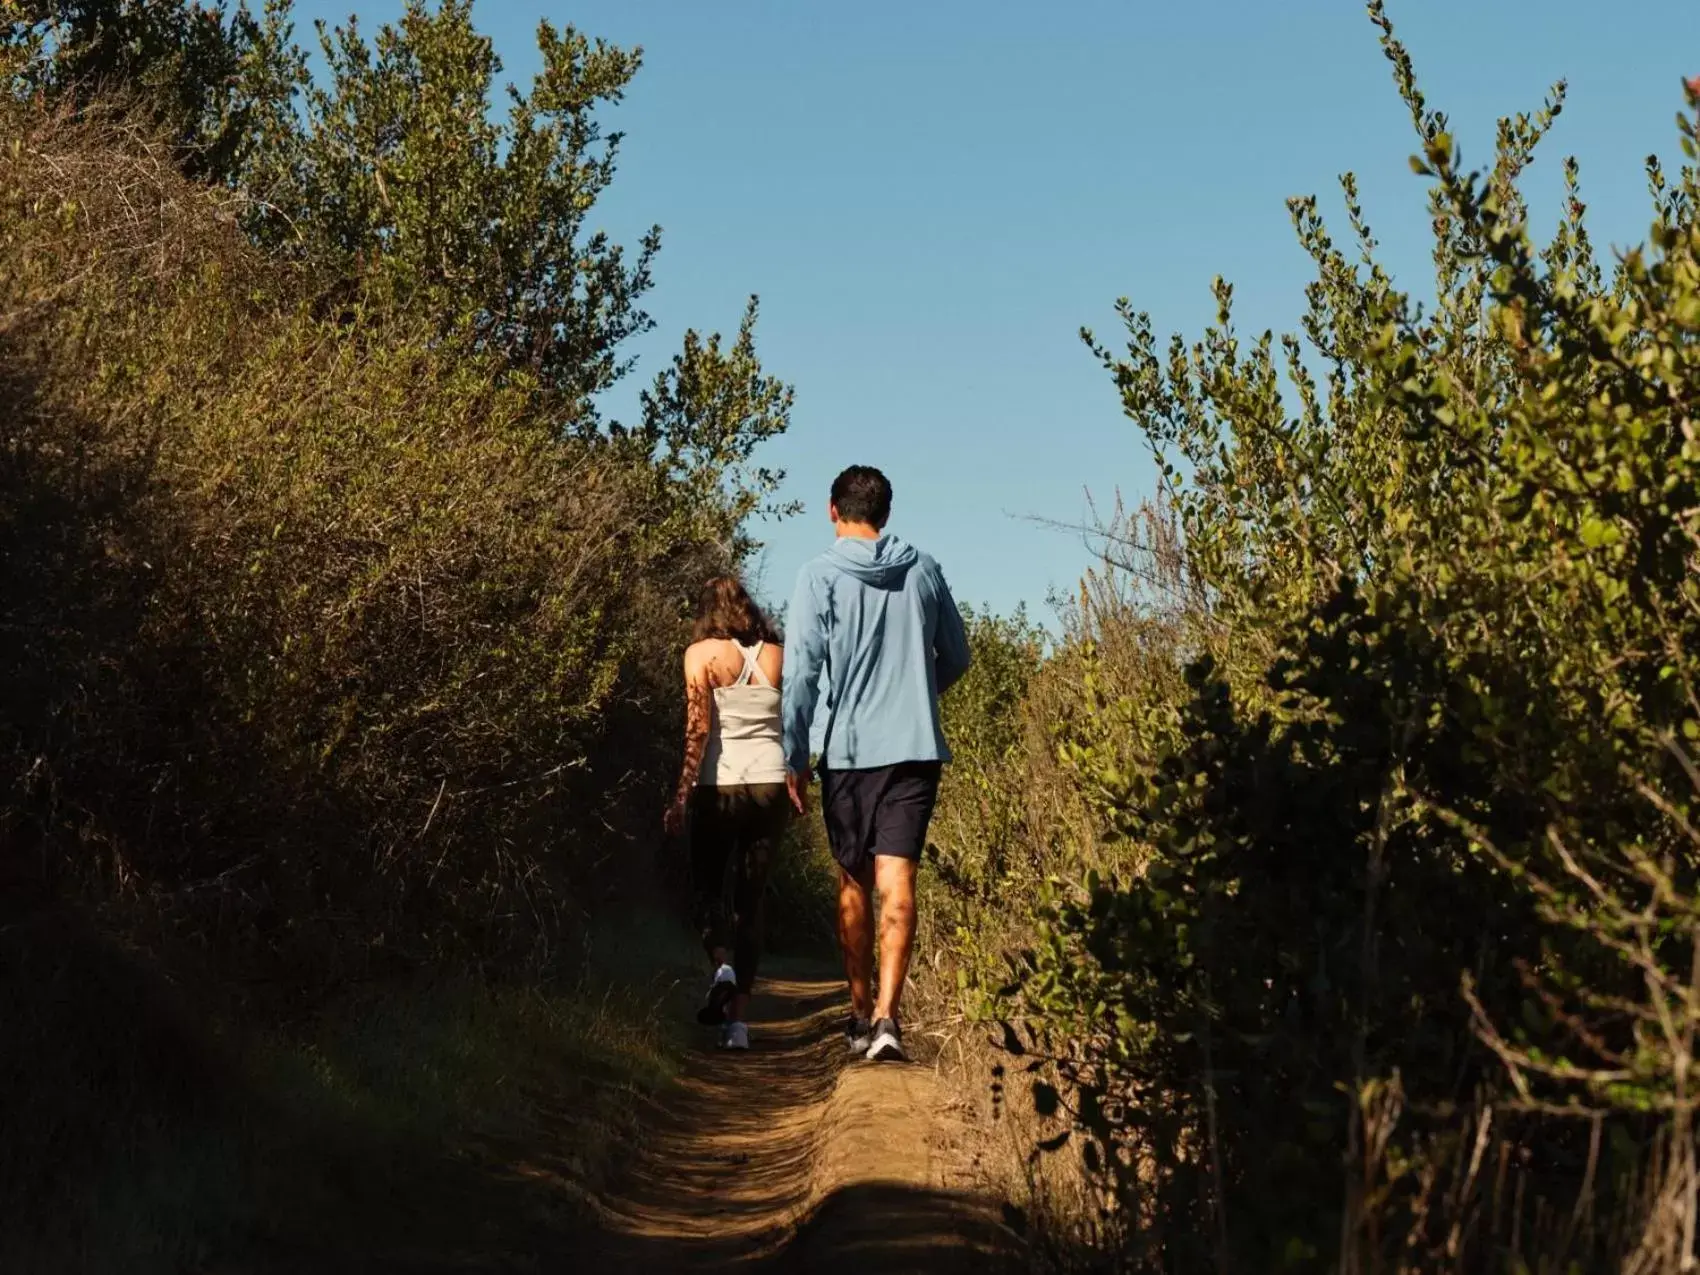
[880, 811]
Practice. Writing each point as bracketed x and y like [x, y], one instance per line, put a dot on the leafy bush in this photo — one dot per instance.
[209, 81]
[313, 624]
[340, 633]
[1398, 878]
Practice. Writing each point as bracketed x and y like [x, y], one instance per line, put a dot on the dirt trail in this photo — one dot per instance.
[788, 1159]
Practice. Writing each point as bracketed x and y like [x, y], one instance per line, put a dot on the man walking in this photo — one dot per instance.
[876, 617]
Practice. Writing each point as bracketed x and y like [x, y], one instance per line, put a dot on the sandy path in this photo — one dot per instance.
[788, 1158]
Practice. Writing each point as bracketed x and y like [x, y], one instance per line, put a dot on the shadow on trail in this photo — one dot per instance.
[869, 1227]
[776, 1161]
[784, 1160]
[876, 1226]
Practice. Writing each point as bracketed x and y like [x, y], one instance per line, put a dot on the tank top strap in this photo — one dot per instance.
[752, 668]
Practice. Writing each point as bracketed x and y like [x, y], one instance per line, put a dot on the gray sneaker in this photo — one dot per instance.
[887, 1043]
[858, 1035]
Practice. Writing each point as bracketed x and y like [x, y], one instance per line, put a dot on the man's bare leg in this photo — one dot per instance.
[856, 939]
[896, 879]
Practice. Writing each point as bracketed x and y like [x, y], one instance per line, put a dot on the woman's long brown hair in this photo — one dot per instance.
[726, 610]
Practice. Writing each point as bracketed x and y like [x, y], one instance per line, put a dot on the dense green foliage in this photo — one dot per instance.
[339, 634]
[401, 179]
[394, 184]
[213, 82]
[1400, 875]
[324, 583]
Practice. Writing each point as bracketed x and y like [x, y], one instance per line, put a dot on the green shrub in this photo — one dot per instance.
[314, 626]
[1398, 880]
[340, 634]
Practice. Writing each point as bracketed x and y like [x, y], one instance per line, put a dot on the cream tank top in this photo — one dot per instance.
[745, 742]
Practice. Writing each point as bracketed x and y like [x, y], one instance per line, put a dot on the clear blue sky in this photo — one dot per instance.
[932, 198]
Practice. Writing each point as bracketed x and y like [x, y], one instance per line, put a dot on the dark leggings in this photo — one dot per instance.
[734, 827]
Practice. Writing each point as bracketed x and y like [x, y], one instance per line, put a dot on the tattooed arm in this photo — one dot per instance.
[699, 708]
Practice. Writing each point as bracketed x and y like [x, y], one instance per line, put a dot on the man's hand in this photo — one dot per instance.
[797, 782]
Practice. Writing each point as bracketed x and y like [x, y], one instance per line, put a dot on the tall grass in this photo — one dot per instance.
[439, 1113]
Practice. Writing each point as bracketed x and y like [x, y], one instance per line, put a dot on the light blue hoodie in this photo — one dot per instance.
[877, 618]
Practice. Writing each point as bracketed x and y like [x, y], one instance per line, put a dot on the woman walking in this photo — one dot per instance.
[731, 790]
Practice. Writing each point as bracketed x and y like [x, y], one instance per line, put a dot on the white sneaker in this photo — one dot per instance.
[720, 994]
[735, 1036]
[858, 1035]
[887, 1044]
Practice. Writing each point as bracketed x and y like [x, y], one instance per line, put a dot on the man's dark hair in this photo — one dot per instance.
[862, 494]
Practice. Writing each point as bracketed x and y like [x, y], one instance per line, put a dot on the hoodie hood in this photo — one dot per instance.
[882, 563]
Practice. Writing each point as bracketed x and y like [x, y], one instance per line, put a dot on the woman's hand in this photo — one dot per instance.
[699, 713]
[797, 784]
[673, 822]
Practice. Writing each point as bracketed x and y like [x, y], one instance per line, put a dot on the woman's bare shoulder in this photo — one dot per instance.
[700, 655]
